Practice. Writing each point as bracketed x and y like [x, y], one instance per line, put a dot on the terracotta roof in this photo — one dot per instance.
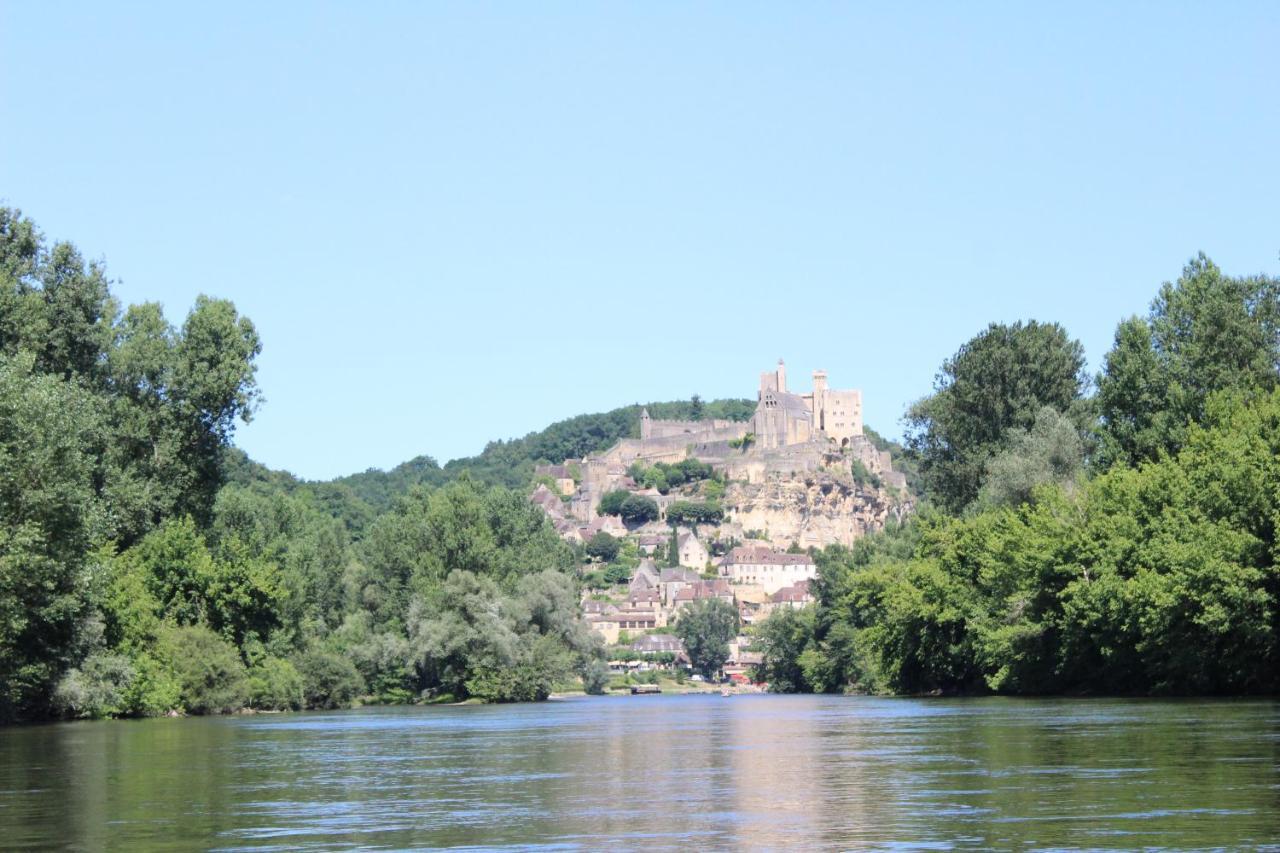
[762, 555]
[705, 589]
[648, 595]
[797, 592]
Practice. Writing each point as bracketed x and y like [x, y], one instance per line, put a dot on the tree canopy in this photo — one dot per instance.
[997, 382]
[1152, 571]
[706, 627]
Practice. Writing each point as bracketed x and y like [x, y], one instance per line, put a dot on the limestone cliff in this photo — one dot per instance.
[814, 508]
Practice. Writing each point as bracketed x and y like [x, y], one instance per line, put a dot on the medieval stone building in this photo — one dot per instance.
[783, 419]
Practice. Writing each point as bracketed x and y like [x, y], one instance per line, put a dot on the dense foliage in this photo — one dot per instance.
[665, 476]
[510, 463]
[634, 509]
[997, 383]
[706, 627]
[695, 512]
[1152, 570]
[147, 567]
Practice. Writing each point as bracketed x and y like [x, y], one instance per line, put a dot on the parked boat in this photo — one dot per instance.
[638, 689]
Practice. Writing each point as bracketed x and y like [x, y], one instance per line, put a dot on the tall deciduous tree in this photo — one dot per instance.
[50, 520]
[998, 381]
[1206, 332]
[706, 627]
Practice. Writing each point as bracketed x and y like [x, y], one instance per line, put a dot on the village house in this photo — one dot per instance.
[651, 542]
[794, 596]
[673, 580]
[608, 626]
[766, 567]
[653, 643]
[560, 474]
[568, 530]
[638, 618]
[611, 524]
[547, 500]
[646, 576]
[703, 589]
[693, 554]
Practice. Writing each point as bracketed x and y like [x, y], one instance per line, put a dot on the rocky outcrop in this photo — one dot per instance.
[812, 509]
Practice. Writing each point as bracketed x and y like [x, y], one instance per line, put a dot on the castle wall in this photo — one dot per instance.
[671, 448]
[694, 429]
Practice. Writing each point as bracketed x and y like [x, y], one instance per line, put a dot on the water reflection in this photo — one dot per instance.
[660, 773]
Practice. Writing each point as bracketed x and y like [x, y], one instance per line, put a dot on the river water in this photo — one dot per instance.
[660, 772]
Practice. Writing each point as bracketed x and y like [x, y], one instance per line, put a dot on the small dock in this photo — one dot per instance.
[641, 689]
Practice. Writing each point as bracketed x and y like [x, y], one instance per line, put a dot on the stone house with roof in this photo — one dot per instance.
[646, 575]
[611, 524]
[639, 618]
[673, 580]
[766, 567]
[659, 643]
[797, 595]
[704, 589]
[560, 475]
[693, 554]
[651, 542]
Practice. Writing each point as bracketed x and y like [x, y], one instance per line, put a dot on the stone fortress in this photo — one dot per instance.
[790, 468]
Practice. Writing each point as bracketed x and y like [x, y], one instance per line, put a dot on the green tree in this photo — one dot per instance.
[329, 679]
[602, 547]
[1051, 451]
[617, 574]
[782, 640]
[998, 381]
[1206, 332]
[611, 502]
[212, 676]
[694, 512]
[637, 509]
[50, 519]
[706, 627]
[275, 685]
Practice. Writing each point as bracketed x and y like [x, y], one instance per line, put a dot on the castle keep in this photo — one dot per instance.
[783, 418]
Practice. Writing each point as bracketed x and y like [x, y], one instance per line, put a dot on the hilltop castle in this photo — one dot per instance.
[791, 442]
[781, 418]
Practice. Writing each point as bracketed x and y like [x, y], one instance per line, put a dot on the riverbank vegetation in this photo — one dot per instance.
[147, 567]
[1109, 534]
[1112, 533]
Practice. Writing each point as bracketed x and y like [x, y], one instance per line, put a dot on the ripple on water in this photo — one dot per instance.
[667, 772]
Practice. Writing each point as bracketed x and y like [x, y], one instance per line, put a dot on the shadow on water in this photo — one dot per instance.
[660, 772]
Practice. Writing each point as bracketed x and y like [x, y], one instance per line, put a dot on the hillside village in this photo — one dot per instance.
[731, 510]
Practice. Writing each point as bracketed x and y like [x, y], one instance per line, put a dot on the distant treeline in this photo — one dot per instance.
[1113, 533]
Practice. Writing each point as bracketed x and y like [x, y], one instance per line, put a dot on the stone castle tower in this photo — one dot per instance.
[783, 418]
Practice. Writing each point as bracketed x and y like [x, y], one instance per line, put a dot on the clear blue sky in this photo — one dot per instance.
[459, 222]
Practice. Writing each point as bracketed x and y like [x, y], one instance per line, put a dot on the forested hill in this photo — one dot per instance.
[504, 463]
[507, 463]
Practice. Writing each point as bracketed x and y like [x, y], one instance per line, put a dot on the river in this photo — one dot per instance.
[660, 772]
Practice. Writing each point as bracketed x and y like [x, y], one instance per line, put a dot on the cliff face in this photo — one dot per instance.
[813, 509]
